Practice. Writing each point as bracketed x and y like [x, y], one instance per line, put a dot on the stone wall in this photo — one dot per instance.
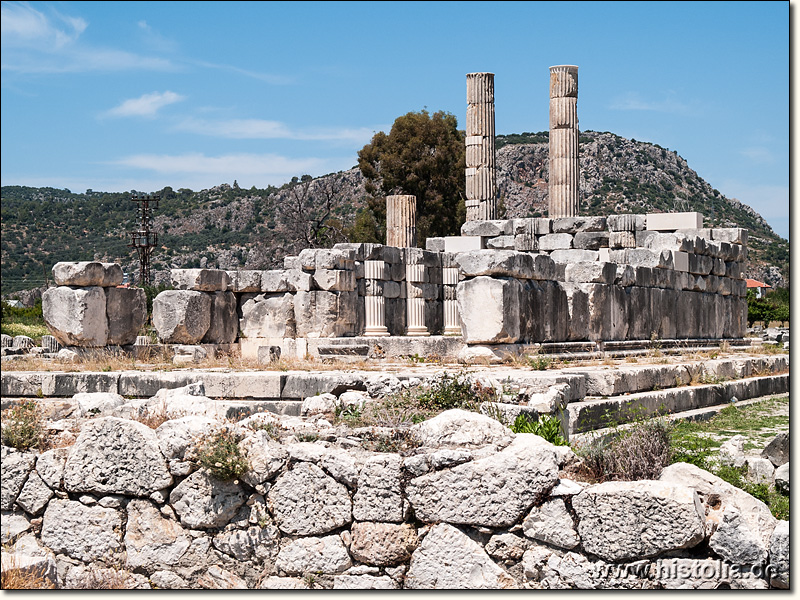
[624, 277]
[468, 505]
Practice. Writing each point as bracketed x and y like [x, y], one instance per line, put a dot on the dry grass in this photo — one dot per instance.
[14, 578]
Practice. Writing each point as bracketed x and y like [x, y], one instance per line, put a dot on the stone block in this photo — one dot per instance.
[621, 239]
[488, 228]
[224, 325]
[700, 264]
[291, 262]
[268, 316]
[591, 240]
[574, 256]
[245, 280]
[463, 243]
[504, 263]
[434, 244]
[87, 274]
[718, 267]
[680, 261]
[274, 281]
[554, 241]
[732, 235]
[674, 221]
[590, 272]
[501, 242]
[200, 280]
[637, 257]
[76, 316]
[490, 310]
[334, 280]
[126, 310]
[626, 222]
[574, 225]
[182, 316]
[668, 241]
[299, 280]
[533, 226]
[625, 275]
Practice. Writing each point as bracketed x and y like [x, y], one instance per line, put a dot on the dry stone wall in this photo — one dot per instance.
[469, 505]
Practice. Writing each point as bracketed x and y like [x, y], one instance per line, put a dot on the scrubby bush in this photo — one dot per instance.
[22, 426]
[220, 454]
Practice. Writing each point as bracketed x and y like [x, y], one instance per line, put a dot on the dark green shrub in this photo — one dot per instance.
[220, 454]
[448, 391]
[548, 427]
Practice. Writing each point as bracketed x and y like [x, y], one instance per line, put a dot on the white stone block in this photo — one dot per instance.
[463, 243]
[673, 221]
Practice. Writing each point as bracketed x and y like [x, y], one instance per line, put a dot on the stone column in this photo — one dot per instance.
[481, 176]
[452, 321]
[564, 184]
[415, 301]
[401, 221]
[374, 304]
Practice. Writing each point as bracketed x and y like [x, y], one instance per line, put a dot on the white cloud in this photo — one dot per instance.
[22, 25]
[633, 101]
[270, 78]
[145, 106]
[758, 154]
[224, 167]
[266, 129]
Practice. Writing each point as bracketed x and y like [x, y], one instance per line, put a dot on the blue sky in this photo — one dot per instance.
[119, 96]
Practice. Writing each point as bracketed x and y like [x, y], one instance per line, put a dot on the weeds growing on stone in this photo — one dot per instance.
[548, 427]
[23, 428]
[220, 454]
[16, 578]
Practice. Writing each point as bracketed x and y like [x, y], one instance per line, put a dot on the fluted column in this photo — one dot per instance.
[401, 221]
[452, 321]
[415, 300]
[374, 303]
[564, 184]
[480, 173]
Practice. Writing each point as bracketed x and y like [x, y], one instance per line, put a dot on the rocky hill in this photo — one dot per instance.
[230, 227]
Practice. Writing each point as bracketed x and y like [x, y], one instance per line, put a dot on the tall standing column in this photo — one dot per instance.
[564, 185]
[481, 176]
[401, 221]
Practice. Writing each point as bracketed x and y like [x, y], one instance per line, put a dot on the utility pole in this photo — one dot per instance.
[144, 239]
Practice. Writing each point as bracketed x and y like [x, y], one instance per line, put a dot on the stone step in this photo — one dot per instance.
[597, 413]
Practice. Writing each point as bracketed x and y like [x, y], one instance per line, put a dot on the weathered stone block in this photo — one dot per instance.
[126, 309]
[490, 310]
[591, 272]
[554, 241]
[626, 222]
[76, 316]
[533, 226]
[621, 239]
[274, 281]
[501, 242]
[487, 228]
[244, 280]
[182, 316]
[574, 256]
[335, 280]
[435, 244]
[224, 325]
[731, 235]
[200, 280]
[268, 316]
[299, 281]
[85, 533]
[574, 225]
[87, 274]
[591, 240]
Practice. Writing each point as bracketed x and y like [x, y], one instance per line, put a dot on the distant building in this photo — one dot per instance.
[759, 286]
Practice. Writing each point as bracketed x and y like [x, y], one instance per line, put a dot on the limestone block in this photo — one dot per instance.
[552, 524]
[76, 316]
[637, 257]
[200, 280]
[224, 326]
[533, 226]
[504, 263]
[782, 478]
[574, 225]
[490, 310]
[97, 403]
[85, 533]
[623, 520]
[434, 244]
[182, 316]
[506, 547]
[625, 275]
[760, 470]
[257, 543]
[265, 457]
[779, 556]
[733, 270]
[621, 239]
[203, 502]
[737, 543]
[268, 316]
[700, 264]
[335, 280]
[364, 582]
[176, 436]
[245, 281]
[379, 495]
[456, 427]
[492, 492]
[777, 451]
[50, 466]
[306, 501]
[87, 274]
[574, 256]
[501, 242]
[626, 222]
[731, 235]
[487, 228]
[554, 241]
[126, 310]
[299, 281]
[591, 240]
[383, 544]
[116, 456]
[323, 258]
[152, 541]
[449, 559]
[681, 261]
[16, 468]
[673, 221]
[22, 342]
[314, 555]
[591, 272]
[291, 262]
[274, 281]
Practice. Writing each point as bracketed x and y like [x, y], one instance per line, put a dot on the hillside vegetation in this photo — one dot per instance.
[230, 227]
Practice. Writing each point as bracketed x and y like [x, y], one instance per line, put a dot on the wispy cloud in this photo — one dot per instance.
[266, 129]
[225, 166]
[758, 154]
[270, 78]
[145, 106]
[34, 42]
[633, 101]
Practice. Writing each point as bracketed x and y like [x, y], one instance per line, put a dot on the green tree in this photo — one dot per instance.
[423, 155]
